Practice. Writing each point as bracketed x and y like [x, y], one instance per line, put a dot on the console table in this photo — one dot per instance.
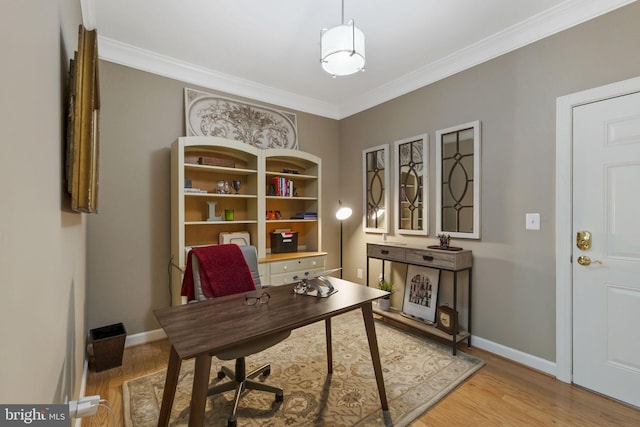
[453, 261]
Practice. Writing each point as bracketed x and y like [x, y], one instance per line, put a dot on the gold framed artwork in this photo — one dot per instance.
[82, 125]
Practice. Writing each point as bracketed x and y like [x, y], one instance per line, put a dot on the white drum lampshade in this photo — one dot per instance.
[342, 49]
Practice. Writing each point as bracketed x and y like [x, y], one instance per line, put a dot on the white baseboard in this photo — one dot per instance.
[83, 389]
[521, 357]
[131, 340]
[144, 337]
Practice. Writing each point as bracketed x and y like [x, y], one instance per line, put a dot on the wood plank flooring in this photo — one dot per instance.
[502, 393]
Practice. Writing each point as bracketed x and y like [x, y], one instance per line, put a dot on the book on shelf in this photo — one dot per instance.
[195, 190]
[209, 161]
[283, 186]
[305, 215]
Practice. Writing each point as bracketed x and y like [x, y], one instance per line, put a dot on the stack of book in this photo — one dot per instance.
[194, 190]
[305, 215]
[209, 161]
[282, 186]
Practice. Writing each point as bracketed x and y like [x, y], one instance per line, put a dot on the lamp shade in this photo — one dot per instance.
[343, 213]
[342, 49]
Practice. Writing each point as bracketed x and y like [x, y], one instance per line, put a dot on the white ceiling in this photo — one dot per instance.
[269, 50]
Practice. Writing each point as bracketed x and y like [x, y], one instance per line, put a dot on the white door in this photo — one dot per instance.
[606, 203]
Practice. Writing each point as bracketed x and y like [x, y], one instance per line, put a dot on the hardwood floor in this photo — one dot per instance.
[502, 393]
[136, 361]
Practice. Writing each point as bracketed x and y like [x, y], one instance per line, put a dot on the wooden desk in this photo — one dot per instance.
[203, 329]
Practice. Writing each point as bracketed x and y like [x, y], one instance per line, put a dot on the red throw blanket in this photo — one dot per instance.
[223, 271]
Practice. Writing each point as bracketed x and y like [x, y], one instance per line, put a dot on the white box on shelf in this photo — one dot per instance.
[240, 238]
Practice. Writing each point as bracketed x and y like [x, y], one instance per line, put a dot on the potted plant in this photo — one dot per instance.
[385, 302]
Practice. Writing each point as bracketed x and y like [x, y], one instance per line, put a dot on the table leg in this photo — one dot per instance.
[369, 323]
[199, 392]
[367, 282]
[170, 383]
[327, 326]
[469, 309]
[455, 311]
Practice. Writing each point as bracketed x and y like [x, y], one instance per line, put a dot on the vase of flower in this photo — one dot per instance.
[384, 304]
[444, 240]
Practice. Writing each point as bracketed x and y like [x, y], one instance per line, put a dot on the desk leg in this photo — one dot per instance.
[369, 323]
[170, 383]
[327, 326]
[199, 393]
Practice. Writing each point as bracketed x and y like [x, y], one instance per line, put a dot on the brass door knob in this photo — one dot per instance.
[585, 260]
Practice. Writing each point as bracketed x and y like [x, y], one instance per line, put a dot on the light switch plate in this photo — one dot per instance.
[532, 221]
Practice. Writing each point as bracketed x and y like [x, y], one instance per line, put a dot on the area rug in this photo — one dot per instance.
[417, 373]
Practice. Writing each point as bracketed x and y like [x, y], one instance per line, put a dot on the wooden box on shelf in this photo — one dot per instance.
[445, 318]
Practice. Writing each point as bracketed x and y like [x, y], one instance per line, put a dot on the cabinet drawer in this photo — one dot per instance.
[439, 259]
[296, 265]
[386, 252]
[284, 278]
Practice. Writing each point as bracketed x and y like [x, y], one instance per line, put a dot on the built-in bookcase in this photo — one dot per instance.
[203, 207]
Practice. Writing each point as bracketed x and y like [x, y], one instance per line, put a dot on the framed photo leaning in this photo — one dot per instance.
[421, 292]
[82, 124]
[445, 318]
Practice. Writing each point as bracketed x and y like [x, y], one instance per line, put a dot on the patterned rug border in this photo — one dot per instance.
[405, 420]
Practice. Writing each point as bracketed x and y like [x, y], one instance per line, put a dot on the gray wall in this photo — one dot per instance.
[129, 240]
[42, 243]
[514, 97]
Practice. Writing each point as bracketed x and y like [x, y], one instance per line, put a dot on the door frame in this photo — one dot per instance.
[564, 199]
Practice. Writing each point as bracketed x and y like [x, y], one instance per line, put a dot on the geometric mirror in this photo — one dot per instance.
[375, 166]
[411, 185]
[458, 181]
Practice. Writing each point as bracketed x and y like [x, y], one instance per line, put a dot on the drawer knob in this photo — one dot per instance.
[384, 252]
[427, 257]
[284, 268]
[314, 263]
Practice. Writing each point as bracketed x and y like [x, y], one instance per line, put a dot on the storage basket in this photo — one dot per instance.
[284, 241]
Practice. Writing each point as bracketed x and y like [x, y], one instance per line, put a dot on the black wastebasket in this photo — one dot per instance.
[108, 346]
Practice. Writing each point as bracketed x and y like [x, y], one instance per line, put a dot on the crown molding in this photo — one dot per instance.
[566, 15]
[88, 8]
[145, 60]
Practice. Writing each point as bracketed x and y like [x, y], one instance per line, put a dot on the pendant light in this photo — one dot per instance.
[342, 48]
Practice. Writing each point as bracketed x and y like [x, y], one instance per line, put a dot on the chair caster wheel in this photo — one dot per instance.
[279, 397]
[266, 373]
[220, 375]
[232, 423]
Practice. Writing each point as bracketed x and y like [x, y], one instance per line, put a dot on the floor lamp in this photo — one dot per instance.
[342, 213]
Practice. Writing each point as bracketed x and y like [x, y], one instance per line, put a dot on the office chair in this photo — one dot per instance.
[247, 279]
